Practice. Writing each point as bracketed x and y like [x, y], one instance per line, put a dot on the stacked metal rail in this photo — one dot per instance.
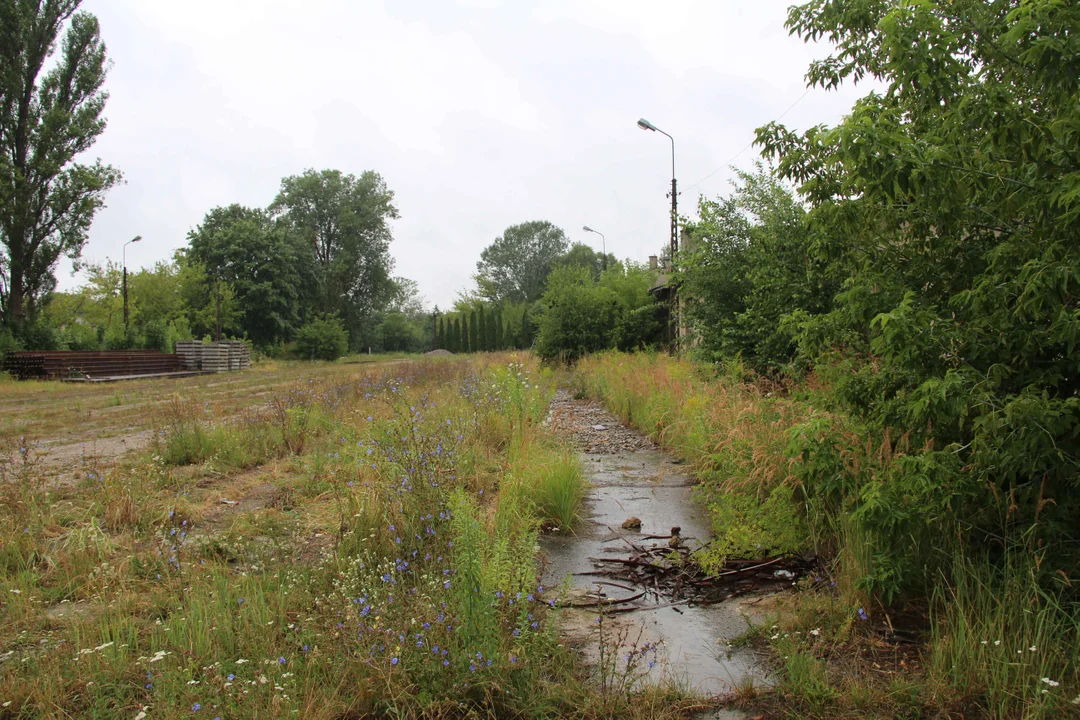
[62, 365]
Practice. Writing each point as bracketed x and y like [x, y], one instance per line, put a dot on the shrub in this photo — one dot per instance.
[641, 328]
[8, 343]
[117, 338]
[576, 316]
[155, 335]
[79, 336]
[39, 336]
[324, 338]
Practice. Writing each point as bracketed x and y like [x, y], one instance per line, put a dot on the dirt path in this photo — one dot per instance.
[632, 480]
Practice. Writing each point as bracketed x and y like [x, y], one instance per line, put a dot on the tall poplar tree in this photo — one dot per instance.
[47, 119]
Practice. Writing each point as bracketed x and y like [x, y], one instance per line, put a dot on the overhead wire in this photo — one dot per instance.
[749, 144]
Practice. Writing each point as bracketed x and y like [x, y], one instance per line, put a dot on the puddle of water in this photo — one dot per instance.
[693, 640]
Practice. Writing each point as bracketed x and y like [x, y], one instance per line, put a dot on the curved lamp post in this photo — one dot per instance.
[135, 239]
[646, 125]
[603, 242]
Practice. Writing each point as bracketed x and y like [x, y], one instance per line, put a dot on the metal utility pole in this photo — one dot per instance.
[136, 239]
[674, 209]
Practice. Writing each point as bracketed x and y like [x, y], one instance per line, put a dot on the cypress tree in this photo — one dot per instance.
[498, 331]
[528, 330]
[491, 331]
[482, 331]
[474, 335]
[440, 337]
[457, 335]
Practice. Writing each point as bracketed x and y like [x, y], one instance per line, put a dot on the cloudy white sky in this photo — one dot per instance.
[478, 113]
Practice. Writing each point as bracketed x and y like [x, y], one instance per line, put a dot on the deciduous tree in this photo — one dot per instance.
[344, 221]
[515, 266]
[953, 200]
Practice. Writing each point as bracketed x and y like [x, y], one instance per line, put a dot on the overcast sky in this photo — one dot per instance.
[478, 113]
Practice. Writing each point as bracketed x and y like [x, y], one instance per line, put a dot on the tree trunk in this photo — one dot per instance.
[15, 312]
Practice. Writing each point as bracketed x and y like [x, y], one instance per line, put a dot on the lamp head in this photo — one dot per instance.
[137, 238]
[586, 228]
[645, 124]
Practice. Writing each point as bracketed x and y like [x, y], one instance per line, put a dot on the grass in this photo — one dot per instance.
[993, 642]
[559, 488]
[52, 412]
[351, 542]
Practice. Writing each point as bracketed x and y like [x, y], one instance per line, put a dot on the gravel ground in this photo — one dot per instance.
[592, 428]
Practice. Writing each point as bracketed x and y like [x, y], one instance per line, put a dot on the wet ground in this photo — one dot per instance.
[664, 637]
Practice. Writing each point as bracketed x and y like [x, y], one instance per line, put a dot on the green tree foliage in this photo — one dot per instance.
[952, 201]
[154, 295]
[398, 334]
[407, 302]
[204, 300]
[748, 268]
[482, 335]
[344, 221]
[47, 119]
[491, 341]
[525, 336]
[499, 340]
[515, 267]
[578, 315]
[639, 319]
[474, 333]
[91, 317]
[580, 255]
[262, 264]
[324, 338]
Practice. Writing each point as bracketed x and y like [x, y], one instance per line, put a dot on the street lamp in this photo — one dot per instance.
[646, 125]
[135, 239]
[603, 242]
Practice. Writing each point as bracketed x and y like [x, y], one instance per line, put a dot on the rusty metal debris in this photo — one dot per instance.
[668, 572]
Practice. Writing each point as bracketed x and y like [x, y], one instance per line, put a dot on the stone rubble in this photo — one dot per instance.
[591, 428]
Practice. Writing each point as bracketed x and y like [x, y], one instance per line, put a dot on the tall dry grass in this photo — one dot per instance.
[733, 434]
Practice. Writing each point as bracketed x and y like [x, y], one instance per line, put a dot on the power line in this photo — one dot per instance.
[748, 145]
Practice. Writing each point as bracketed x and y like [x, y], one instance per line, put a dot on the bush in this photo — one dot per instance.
[39, 336]
[117, 338]
[8, 343]
[80, 337]
[641, 328]
[155, 336]
[576, 316]
[324, 338]
[748, 268]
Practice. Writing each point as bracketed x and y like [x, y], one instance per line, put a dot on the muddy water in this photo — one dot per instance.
[692, 641]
